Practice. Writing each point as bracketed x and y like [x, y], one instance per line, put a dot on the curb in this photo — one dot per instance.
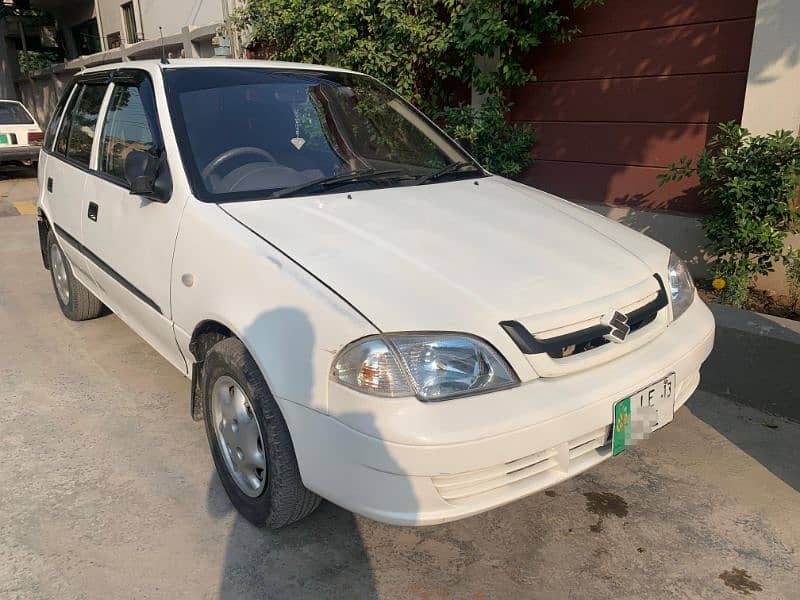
[755, 361]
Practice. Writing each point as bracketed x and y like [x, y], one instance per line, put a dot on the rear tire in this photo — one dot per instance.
[76, 302]
[276, 497]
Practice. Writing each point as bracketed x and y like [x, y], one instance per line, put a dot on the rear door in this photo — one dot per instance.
[132, 237]
[66, 171]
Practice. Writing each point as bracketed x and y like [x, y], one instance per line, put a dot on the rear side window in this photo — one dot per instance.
[52, 127]
[12, 113]
[63, 133]
[77, 135]
[127, 127]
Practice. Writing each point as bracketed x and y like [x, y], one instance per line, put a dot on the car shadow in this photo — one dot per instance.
[312, 558]
[748, 389]
[754, 362]
[770, 440]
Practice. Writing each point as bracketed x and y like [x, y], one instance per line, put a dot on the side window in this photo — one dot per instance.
[52, 127]
[82, 123]
[128, 127]
[63, 133]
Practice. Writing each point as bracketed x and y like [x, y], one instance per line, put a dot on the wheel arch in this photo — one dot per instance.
[205, 335]
[43, 225]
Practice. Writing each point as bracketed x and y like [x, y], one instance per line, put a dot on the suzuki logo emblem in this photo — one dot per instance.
[618, 323]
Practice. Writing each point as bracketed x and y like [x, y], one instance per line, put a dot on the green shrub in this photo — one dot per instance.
[32, 61]
[750, 184]
[502, 147]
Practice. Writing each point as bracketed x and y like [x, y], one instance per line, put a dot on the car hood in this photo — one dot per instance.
[435, 257]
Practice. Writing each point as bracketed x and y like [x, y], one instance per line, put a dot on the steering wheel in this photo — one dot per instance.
[233, 153]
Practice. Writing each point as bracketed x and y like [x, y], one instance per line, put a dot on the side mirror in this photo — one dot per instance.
[148, 176]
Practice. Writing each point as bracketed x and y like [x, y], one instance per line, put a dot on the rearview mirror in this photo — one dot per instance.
[147, 176]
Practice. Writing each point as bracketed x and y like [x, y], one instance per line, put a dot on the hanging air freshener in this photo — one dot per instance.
[297, 141]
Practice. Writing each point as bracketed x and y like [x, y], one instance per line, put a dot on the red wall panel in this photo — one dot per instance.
[615, 185]
[631, 15]
[638, 144]
[643, 84]
[678, 99]
[687, 49]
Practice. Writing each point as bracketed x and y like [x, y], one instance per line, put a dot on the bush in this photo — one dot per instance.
[32, 61]
[502, 147]
[751, 185]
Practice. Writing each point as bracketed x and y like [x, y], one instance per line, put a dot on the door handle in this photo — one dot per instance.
[92, 214]
[50, 184]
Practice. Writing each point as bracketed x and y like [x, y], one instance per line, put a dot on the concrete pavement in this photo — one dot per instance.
[107, 490]
[18, 191]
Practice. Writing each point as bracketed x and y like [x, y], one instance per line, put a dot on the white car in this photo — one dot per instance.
[20, 136]
[366, 314]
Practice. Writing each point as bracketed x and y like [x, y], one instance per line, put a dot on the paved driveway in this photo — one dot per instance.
[107, 491]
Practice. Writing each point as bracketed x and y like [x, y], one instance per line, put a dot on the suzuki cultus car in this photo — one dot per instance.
[366, 314]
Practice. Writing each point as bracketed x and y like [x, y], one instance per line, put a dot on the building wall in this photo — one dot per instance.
[8, 64]
[41, 95]
[643, 84]
[172, 15]
[772, 100]
[110, 19]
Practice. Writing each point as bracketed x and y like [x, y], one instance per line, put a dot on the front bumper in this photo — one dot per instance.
[552, 429]
[19, 153]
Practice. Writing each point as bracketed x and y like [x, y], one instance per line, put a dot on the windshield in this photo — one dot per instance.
[12, 113]
[248, 133]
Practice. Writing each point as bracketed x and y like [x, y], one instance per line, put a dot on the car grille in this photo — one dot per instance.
[533, 471]
[585, 339]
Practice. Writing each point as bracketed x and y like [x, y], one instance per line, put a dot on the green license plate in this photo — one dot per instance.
[636, 416]
[3, 138]
[621, 434]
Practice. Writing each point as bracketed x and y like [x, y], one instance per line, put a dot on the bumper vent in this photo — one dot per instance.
[533, 472]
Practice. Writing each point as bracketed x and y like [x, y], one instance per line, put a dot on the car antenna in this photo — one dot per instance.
[164, 60]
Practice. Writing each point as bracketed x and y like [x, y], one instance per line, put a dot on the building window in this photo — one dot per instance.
[114, 40]
[129, 20]
[87, 37]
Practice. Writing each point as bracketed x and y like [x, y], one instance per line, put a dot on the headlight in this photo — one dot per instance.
[432, 366]
[681, 286]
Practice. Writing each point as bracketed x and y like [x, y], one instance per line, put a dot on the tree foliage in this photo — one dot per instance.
[419, 47]
[33, 61]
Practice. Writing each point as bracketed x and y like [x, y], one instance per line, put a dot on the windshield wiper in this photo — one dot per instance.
[332, 180]
[446, 170]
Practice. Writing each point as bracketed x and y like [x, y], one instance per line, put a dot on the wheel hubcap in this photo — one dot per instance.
[59, 274]
[239, 436]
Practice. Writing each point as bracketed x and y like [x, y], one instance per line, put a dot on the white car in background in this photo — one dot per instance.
[365, 313]
[20, 136]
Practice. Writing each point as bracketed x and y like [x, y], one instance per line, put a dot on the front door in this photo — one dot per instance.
[132, 237]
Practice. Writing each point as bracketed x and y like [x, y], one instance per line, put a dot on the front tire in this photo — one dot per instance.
[76, 302]
[249, 440]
